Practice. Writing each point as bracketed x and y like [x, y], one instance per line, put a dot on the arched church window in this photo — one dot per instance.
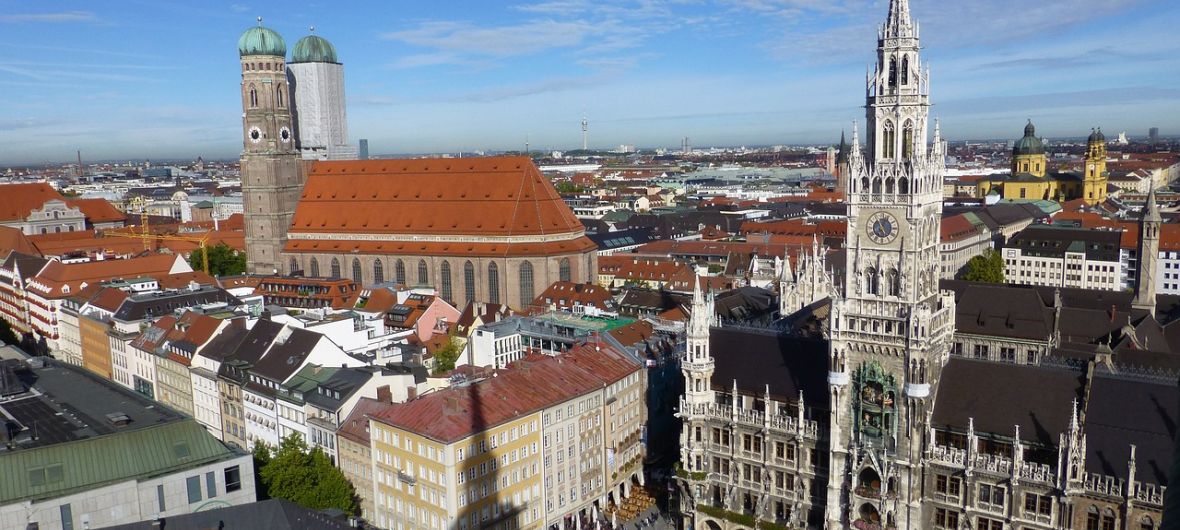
[423, 273]
[526, 284]
[356, 270]
[894, 282]
[871, 280]
[444, 281]
[1146, 523]
[888, 140]
[253, 97]
[279, 95]
[1108, 519]
[378, 272]
[335, 268]
[905, 71]
[563, 270]
[889, 187]
[893, 73]
[903, 185]
[864, 184]
[293, 266]
[877, 185]
[469, 281]
[399, 272]
[907, 139]
[493, 283]
[315, 268]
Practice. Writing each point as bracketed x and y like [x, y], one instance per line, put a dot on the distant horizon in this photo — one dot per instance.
[445, 77]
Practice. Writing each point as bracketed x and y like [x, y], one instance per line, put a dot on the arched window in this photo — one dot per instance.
[871, 280]
[399, 272]
[894, 282]
[378, 272]
[864, 184]
[335, 268]
[905, 70]
[526, 284]
[1108, 519]
[493, 283]
[876, 185]
[356, 270]
[423, 273]
[563, 270]
[315, 268]
[907, 140]
[469, 282]
[889, 185]
[888, 140]
[893, 72]
[444, 282]
[253, 97]
[294, 266]
[279, 100]
[1092, 518]
[1146, 523]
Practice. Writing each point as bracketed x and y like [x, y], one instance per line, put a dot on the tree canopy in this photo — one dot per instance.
[223, 261]
[987, 267]
[445, 357]
[305, 477]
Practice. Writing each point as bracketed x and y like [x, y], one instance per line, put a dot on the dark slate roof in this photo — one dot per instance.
[225, 344]
[655, 300]
[991, 309]
[757, 358]
[621, 238]
[1050, 241]
[250, 349]
[999, 396]
[1123, 411]
[149, 305]
[287, 355]
[273, 514]
[345, 382]
[744, 304]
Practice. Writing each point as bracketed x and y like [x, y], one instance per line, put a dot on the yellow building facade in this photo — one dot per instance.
[1030, 177]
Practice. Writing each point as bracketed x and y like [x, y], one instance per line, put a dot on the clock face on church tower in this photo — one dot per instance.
[882, 228]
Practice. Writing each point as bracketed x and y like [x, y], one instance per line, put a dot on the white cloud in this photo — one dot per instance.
[64, 16]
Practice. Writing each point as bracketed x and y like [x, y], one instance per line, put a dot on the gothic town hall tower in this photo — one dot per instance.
[890, 331]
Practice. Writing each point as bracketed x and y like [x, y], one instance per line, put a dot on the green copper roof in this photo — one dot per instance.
[1030, 144]
[65, 468]
[313, 49]
[260, 40]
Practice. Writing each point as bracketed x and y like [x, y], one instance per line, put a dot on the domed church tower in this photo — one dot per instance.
[1028, 155]
[317, 81]
[272, 177]
[1094, 180]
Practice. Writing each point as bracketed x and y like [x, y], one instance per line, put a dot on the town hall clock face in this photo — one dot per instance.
[882, 228]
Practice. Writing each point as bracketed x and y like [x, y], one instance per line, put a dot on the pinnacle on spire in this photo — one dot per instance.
[1151, 210]
[898, 24]
[787, 275]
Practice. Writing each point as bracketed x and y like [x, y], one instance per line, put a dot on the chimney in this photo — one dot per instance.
[451, 404]
[411, 392]
[384, 395]
[1113, 312]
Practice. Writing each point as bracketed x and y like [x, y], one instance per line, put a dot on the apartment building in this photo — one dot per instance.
[537, 444]
[1064, 257]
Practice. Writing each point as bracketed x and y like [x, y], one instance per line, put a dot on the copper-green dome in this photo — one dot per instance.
[313, 49]
[260, 40]
[1029, 144]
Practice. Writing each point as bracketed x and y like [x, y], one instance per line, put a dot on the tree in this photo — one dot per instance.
[445, 357]
[223, 261]
[987, 267]
[304, 477]
[7, 336]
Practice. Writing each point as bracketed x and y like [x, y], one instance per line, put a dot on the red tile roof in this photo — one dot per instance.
[957, 227]
[581, 244]
[639, 269]
[566, 295]
[527, 386]
[18, 200]
[98, 210]
[12, 239]
[502, 196]
[57, 275]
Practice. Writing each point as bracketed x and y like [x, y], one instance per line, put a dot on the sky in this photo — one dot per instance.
[132, 79]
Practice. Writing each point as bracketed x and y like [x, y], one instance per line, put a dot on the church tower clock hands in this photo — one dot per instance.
[272, 177]
[890, 331]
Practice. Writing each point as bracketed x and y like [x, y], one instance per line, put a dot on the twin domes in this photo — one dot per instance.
[261, 40]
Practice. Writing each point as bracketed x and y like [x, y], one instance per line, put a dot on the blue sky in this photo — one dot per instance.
[133, 79]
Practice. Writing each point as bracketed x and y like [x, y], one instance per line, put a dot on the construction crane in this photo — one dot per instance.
[147, 236]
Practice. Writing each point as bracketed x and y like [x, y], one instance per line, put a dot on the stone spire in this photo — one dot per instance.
[1149, 248]
[898, 24]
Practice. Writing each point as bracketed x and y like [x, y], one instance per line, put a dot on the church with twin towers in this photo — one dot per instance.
[886, 398]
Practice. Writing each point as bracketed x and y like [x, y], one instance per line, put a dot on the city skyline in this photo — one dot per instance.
[151, 80]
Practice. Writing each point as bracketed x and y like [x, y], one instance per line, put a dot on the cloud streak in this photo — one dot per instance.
[50, 18]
